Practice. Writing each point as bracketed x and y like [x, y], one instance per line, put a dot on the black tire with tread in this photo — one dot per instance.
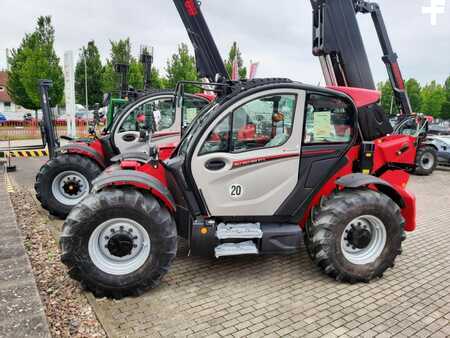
[329, 222]
[47, 173]
[118, 203]
[419, 169]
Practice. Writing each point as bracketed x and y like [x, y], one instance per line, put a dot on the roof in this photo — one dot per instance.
[4, 96]
[362, 97]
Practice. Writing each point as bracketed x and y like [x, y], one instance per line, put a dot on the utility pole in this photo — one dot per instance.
[7, 57]
[85, 80]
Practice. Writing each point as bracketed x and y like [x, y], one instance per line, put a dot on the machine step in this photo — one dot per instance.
[239, 230]
[235, 249]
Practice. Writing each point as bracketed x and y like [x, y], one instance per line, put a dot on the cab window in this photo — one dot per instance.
[328, 120]
[162, 108]
[262, 123]
[191, 107]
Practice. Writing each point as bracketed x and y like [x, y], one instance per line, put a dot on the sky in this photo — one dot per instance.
[275, 33]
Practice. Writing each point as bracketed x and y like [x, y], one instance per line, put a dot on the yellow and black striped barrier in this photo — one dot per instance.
[24, 153]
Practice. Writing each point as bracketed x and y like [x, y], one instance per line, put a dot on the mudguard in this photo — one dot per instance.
[358, 180]
[137, 179]
[140, 157]
[392, 184]
[83, 149]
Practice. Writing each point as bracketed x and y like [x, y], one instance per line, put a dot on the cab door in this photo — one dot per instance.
[126, 135]
[247, 161]
[168, 128]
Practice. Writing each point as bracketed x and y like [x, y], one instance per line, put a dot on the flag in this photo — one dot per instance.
[235, 69]
[253, 70]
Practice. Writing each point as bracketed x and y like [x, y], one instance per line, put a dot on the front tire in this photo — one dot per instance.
[119, 242]
[64, 181]
[426, 160]
[356, 235]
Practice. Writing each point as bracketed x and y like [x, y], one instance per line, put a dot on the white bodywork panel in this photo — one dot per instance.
[262, 186]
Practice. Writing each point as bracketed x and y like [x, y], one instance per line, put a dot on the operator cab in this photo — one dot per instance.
[124, 133]
[261, 153]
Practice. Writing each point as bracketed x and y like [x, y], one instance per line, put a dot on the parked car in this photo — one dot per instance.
[27, 117]
[443, 145]
[436, 129]
[3, 119]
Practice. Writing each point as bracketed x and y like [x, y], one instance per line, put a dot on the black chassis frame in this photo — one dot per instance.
[189, 198]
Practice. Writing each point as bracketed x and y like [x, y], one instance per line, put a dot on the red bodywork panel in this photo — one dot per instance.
[96, 146]
[394, 149]
[360, 96]
[158, 173]
[166, 150]
[385, 149]
[209, 97]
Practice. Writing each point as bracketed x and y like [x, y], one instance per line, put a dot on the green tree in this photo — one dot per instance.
[414, 90]
[181, 66]
[33, 60]
[433, 99]
[446, 105]
[120, 54]
[234, 51]
[94, 74]
[386, 98]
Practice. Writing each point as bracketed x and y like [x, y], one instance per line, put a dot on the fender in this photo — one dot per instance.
[393, 185]
[83, 149]
[429, 144]
[137, 179]
[358, 180]
[140, 157]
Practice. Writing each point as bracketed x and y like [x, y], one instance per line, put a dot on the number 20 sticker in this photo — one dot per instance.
[236, 191]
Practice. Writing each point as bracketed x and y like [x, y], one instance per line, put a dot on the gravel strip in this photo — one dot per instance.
[68, 311]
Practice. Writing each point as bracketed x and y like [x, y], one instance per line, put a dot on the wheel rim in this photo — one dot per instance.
[119, 246]
[363, 239]
[69, 187]
[427, 161]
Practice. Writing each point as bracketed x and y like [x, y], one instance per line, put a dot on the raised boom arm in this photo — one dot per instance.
[338, 43]
[209, 62]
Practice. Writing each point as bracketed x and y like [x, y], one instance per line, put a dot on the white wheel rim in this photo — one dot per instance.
[373, 250]
[112, 264]
[427, 161]
[70, 187]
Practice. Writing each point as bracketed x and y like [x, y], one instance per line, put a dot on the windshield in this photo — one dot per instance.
[195, 125]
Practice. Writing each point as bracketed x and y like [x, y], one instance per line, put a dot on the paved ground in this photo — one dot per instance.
[288, 296]
[21, 311]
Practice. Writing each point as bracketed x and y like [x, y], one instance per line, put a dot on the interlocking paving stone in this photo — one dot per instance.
[289, 296]
[21, 310]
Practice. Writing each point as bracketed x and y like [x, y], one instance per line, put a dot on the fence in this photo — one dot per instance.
[22, 130]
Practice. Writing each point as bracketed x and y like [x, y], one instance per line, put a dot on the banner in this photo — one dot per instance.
[253, 70]
[235, 69]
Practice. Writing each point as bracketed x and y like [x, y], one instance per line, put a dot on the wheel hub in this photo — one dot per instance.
[359, 237]
[120, 244]
[69, 187]
[363, 239]
[427, 161]
[72, 187]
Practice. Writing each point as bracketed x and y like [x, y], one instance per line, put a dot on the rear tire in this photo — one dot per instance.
[99, 269]
[61, 171]
[426, 160]
[349, 215]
